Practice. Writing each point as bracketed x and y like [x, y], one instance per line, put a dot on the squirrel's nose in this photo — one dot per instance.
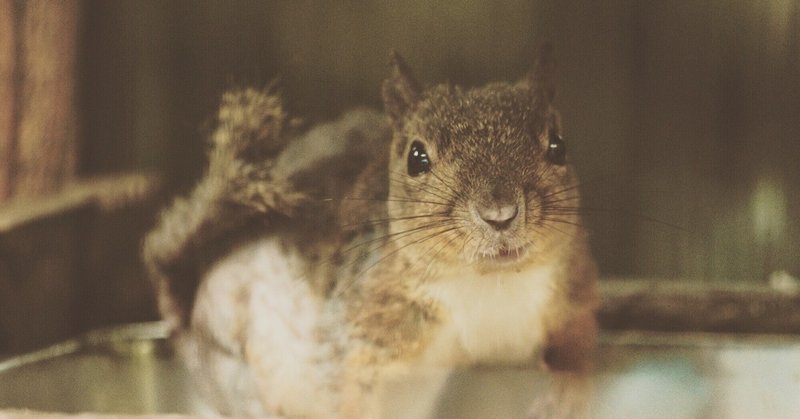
[498, 217]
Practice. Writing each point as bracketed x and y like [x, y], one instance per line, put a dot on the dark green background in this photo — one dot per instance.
[686, 112]
[683, 112]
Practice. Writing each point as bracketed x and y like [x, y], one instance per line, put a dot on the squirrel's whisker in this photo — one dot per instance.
[431, 189]
[399, 234]
[378, 221]
[548, 225]
[410, 201]
[388, 237]
[456, 234]
[451, 189]
[394, 251]
[383, 241]
[562, 221]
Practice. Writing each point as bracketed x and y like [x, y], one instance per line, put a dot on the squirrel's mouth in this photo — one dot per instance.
[503, 255]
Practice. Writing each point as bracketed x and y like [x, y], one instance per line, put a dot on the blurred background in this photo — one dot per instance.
[683, 119]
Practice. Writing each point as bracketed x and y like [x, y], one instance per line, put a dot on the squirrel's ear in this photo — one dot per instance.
[401, 91]
[541, 78]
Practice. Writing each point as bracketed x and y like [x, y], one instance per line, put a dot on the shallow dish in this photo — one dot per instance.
[131, 370]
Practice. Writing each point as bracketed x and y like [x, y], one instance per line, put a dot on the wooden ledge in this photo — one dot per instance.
[105, 192]
[699, 306]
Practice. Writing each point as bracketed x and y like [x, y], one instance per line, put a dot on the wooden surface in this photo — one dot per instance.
[105, 193]
[7, 96]
[37, 81]
[697, 306]
[67, 264]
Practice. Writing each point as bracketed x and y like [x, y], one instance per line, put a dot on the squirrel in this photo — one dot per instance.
[307, 269]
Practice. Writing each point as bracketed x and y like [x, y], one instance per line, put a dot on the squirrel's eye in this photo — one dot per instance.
[418, 161]
[556, 150]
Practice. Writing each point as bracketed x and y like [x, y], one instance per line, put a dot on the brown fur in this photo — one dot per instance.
[372, 236]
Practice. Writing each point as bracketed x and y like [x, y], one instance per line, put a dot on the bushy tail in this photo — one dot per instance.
[238, 188]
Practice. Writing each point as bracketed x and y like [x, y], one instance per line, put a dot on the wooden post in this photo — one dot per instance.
[38, 264]
[7, 96]
[37, 94]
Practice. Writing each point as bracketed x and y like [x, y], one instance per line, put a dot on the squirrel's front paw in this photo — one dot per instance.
[567, 397]
[550, 408]
[546, 406]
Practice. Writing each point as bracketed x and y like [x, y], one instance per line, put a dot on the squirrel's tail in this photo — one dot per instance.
[238, 187]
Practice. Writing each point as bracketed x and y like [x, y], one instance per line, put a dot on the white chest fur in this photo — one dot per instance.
[493, 318]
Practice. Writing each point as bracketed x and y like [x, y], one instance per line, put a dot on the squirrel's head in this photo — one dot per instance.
[479, 176]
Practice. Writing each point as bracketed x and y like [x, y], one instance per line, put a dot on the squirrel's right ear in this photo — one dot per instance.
[401, 91]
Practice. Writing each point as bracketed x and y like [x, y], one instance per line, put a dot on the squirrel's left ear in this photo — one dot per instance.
[401, 91]
[541, 79]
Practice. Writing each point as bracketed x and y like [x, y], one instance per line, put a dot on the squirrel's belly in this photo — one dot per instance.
[497, 318]
[254, 304]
